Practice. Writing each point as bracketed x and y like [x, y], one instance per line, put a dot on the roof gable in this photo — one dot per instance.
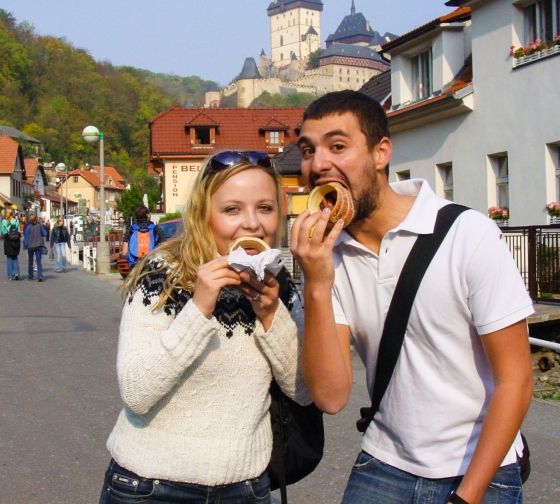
[9, 152]
[201, 119]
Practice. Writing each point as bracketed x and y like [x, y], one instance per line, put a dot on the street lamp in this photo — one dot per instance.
[91, 135]
[61, 167]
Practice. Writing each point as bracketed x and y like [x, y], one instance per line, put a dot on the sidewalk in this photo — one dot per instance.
[60, 400]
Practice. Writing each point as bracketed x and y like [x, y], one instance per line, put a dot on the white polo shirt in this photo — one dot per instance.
[431, 414]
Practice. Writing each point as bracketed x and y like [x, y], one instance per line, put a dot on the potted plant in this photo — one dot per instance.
[498, 214]
[553, 210]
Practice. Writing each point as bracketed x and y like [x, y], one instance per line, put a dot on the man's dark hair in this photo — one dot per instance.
[141, 213]
[369, 113]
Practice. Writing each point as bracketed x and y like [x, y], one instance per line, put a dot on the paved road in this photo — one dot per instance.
[59, 399]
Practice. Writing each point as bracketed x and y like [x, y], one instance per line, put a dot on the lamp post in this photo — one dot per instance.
[61, 167]
[91, 135]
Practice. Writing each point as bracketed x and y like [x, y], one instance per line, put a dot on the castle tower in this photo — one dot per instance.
[295, 27]
[247, 84]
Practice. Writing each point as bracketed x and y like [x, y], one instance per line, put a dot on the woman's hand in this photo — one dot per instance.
[263, 296]
[210, 279]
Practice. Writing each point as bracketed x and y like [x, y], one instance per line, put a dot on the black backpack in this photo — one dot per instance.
[13, 233]
[298, 438]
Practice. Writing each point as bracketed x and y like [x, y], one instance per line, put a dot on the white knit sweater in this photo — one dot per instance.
[196, 390]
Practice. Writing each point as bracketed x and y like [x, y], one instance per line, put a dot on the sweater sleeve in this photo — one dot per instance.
[155, 349]
[281, 345]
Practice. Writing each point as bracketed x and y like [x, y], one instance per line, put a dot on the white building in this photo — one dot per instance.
[482, 126]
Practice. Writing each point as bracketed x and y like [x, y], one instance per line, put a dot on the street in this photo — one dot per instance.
[60, 399]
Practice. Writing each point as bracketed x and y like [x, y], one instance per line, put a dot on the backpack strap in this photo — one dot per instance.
[415, 266]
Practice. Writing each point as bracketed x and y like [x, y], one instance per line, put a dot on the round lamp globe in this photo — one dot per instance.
[90, 134]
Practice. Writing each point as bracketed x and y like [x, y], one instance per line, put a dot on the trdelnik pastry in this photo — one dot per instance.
[242, 257]
[335, 196]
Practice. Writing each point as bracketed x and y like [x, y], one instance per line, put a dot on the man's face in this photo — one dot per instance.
[334, 148]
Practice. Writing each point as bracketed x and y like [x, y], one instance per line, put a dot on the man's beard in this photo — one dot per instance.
[368, 199]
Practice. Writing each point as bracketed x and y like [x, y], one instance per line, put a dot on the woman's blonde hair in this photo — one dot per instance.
[196, 246]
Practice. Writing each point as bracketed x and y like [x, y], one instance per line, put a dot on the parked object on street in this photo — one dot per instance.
[12, 243]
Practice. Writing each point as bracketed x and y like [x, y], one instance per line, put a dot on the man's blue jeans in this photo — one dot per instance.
[373, 482]
[60, 255]
[36, 252]
[122, 485]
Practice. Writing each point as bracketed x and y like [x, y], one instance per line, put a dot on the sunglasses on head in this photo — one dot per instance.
[226, 159]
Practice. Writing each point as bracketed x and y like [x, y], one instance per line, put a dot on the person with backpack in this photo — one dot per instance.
[60, 239]
[141, 237]
[199, 345]
[12, 243]
[447, 426]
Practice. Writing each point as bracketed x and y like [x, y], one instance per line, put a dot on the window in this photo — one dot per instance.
[75, 180]
[421, 75]
[281, 40]
[499, 163]
[202, 136]
[557, 172]
[542, 20]
[274, 138]
[444, 180]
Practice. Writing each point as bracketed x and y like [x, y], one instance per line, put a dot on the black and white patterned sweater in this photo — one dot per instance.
[196, 390]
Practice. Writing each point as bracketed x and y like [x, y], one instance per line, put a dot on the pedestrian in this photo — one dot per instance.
[141, 237]
[12, 243]
[47, 225]
[60, 239]
[34, 235]
[448, 423]
[199, 344]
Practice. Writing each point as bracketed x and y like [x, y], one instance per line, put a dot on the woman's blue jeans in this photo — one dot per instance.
[36, 252]
[13, 266]
[373, 482]
[123, 486]
[59, 250]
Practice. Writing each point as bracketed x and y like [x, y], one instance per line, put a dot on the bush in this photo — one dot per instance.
[170, 216]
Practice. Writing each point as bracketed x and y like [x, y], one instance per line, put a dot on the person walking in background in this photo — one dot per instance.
[447, 428]
[12, 243]
[34, 235]
[141, 237]
[60, 239]
[199, 345]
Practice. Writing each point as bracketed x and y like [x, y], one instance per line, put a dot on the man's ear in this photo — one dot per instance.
[382, 153]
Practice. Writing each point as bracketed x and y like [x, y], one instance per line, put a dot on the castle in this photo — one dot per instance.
[349, 60]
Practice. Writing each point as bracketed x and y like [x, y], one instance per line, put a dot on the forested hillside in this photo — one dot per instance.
[52, 90]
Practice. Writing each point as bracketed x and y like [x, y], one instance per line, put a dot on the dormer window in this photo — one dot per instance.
[202, 135]
[274, 137]
[421, 75]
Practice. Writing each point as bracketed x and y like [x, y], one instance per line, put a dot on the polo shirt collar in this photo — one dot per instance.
[421, 217]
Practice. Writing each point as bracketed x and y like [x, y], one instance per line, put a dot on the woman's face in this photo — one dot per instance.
[245, 205]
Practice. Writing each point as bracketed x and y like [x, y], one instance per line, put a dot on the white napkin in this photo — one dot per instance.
[269, 260]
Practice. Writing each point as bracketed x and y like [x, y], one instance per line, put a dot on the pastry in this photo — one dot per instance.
[337, 198]
[249, 242]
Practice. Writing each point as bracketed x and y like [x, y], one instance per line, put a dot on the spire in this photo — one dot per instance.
[353, 9]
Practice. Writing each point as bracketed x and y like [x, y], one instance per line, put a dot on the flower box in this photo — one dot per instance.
[522, 56]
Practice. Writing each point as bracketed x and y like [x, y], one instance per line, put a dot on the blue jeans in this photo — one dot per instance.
[59, 250]
[373, 482]
[13, 266]
[36, 252]
[122, 486]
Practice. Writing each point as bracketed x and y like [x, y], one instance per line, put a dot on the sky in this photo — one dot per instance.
[208, 38]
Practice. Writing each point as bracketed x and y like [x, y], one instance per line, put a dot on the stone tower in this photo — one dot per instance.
[295, 28]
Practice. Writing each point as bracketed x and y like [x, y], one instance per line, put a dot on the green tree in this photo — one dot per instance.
[314, 59]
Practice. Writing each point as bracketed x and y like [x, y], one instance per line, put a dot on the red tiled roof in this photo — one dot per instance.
[92, 177]
[236, 128]
[8, 155]
[31, 166]
[460, 14]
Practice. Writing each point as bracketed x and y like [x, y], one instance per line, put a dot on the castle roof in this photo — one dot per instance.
[311, 31]
[351, 51]
[353, 26]
[250, 70]
[279, 6]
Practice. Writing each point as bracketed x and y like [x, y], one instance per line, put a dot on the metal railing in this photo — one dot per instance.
[536, 250]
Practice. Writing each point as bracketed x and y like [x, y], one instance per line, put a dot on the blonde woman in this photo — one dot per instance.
[12, 243]
[199, 345]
